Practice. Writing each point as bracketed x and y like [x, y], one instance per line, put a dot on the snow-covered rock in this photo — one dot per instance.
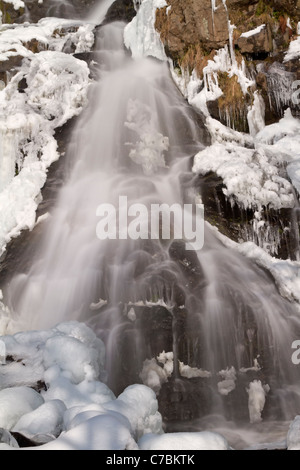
[16, 402]
[184, 441]
[47, 419]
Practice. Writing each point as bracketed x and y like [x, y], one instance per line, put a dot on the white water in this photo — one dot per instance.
[132, 108]
[65, 282]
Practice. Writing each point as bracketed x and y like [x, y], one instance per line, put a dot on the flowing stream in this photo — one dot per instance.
[214, 309]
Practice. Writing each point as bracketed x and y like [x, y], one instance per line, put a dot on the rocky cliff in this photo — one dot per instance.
[193, 31]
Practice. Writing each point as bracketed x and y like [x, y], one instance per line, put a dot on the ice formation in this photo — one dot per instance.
[257, 399]
[57, 85]
[66, 364]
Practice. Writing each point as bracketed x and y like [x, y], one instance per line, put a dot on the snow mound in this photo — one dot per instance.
[139, 405]
[47, 419]
[74, 409]
[184, 441]
[251, 179]
[16, 402]
[105, 432]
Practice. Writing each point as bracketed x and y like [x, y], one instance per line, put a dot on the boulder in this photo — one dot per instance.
[9, 13]
[190, 23]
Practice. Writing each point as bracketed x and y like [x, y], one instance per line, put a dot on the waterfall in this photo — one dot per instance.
[136, 139]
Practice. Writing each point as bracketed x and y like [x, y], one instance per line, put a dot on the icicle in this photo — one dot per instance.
[256, 115]
[213, 10]
[231, 28]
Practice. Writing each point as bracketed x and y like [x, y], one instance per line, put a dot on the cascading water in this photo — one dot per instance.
[60, 9]
[213, 309]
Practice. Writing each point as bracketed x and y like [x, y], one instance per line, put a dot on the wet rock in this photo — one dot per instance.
[22, 85]
[9, 13]
[261, 42]
[189, 265]
[184, 400]
[189, 23]
[9, 67]
[121, 10]
[23, 441]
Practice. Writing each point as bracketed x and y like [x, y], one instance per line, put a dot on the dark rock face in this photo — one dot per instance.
[121, 10]
[185, 400]
[10, 66]
[190, 23]
[260, 42]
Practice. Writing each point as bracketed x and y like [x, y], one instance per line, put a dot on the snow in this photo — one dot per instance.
[105, 432]
[294, 48]
[153, 375]
[227, 385]
[140, 35]
[47, 419]
[98, 305]
[48, 34]
[250, 176]
[184, 441]
[57, 91]
[17, 4]
[139, 405]
[157, 371]
[59, 350]
[253, 32]
[293, 437]
[192, 372]
[79, 414]
[288, 126]
[256, 367]
[74, 409]
[257, 399]
[16, 402]
[282, 141]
